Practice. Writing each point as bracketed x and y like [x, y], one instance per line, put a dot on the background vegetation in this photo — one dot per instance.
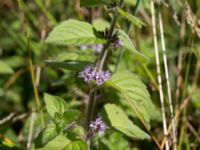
[25, 74]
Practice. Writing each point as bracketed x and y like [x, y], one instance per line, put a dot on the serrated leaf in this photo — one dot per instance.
[136, 94]
[76, 145]
[54, 104]
[5, 69]
[120, 121]
[93, 2]
[74, 32]
[137, 22]
[69, 64]
[48, 134]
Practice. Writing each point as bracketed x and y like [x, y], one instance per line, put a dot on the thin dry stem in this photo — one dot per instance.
[14, 77]
[38, 75]
[193, 131]
[159, 72]
[167, 79]
[30, 135]
[179, 79]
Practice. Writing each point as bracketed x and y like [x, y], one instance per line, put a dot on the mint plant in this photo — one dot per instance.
[79, 131]
[90, 75]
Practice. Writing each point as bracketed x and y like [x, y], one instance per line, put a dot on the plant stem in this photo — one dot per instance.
[104, 53]
[159, 73]
[99, 66]
[37, 99]
[38, 103]
[90, 108]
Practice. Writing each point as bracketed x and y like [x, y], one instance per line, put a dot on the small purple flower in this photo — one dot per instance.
[101, 77]
[83, 47]
[96, 47]
[87, 74]
[118, 43]
[98, 125]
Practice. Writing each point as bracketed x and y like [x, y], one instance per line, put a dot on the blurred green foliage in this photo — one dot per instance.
[23, 32]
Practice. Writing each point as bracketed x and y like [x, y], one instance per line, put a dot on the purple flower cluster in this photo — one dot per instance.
[88, 74]
[98, 125]
[118, 43]
[101, 77]
[96, 47]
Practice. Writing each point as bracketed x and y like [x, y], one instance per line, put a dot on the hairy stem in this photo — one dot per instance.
[104, 53]
[99, 66]
[90, 108]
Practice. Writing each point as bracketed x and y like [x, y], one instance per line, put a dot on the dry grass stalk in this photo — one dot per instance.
[167, 79]
[159, 73]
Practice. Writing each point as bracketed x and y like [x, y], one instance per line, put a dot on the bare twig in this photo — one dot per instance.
[14, 77]
[13, 117]
[30, 135]
[191, 128]
[179, 79]
[159, 73]
[7, 118]
[167, 78]
[38, 75]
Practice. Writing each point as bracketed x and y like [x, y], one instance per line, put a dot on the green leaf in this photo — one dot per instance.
[131, 18]
[120, 121]
[5, 147]
[136, 94]
[76, 145]
[58, 143]
[127, 43]
[70, 116]
[93, 2]
[69, 64]
[14, 61]
[54, 104]
[130, 2]
[113, 140]
[100, 24]
[74, 32]
[48, 134]
[4, 68]
[196, 98]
